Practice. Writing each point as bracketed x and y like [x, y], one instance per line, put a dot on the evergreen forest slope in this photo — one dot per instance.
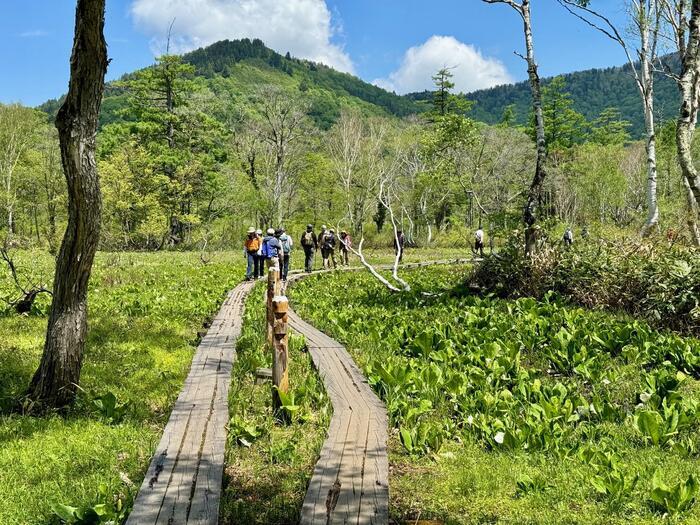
[234, 69]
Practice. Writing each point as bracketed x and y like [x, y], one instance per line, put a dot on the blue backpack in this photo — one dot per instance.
[270, 251]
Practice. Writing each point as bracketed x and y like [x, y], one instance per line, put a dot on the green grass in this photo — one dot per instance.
[455, 371]
[145, 311]
[269, 464]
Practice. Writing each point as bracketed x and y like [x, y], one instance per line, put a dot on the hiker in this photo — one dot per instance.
[321, 241]
[252, 245]
[309, 244]
[345, 245]
[328, 243]
[261, 260]
[568, 237]
[584, 233]
[399, 244]
[271, 247]
[479, 242]
[286, 253]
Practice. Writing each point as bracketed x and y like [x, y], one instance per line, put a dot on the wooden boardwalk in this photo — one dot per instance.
[350, 482]
[183, 483]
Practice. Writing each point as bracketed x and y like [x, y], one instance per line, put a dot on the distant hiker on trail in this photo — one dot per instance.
[479, 242]
[286, 254]
[321, 239]
[252, 245]
[399, 244]
[261, 259]
[271, 248]
[584, 233]
[309, 244]
[328, 243]
[568, 237]
[345, 245]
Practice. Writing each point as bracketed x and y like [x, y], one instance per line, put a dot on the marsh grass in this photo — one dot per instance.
[464, 473]
[145, 311]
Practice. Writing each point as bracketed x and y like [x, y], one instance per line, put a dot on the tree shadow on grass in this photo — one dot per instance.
[142, 363]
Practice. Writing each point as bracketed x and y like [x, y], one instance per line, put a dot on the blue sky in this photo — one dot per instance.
[395, 43]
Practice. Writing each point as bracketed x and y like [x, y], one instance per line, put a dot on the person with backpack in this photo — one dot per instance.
[584, 232]
[568, 237]
[328, 243]
[321, 243]
[259, 274]
[286, 252]
[309, 243]
[479, 242]
[345, 245]
[271, 248]
[399, 244]
[252, 245]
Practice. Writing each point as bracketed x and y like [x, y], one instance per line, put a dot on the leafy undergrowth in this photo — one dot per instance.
[649, 281]
[145, 311]
[269, 464]
[520, 411]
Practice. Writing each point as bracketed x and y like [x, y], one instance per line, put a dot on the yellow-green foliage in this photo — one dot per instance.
[144, 314]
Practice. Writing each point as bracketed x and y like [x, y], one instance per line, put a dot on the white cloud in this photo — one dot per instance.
[302, 27]
[472, 70]
[37, 33]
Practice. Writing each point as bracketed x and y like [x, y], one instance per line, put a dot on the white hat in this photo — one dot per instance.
[270, 231]
[251, 230]
[259, 232]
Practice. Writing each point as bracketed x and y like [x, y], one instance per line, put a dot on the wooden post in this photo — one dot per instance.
[273, 285]
[280, 355]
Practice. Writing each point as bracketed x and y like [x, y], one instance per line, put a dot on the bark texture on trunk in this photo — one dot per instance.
[693, 211]
[687, 119]
[647, 55]
[54, 383]
[535, 192]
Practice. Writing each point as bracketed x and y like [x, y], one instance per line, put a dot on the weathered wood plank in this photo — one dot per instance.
[350, 483]
[183, 482]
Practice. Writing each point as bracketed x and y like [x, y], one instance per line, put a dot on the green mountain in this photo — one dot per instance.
[592, 91]
[236, 68]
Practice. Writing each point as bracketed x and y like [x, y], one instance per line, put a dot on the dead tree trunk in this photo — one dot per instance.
[54, 383]
[534, 193]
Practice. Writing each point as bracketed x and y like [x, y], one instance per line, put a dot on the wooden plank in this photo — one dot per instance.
[183, 482]
[350, 481]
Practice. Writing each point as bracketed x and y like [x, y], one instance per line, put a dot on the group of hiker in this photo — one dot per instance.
[275, 249]
[567, 239]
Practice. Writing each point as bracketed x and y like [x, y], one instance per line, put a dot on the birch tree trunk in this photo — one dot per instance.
[652, 201]
[534, 193]
[646, 88]
[646, 22]
[688, 117]
[693, 211]
[55, 382]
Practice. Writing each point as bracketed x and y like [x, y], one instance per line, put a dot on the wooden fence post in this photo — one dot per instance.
[280, 355]
[273, 288]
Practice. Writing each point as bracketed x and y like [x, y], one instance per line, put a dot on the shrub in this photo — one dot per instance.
[659, 285]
